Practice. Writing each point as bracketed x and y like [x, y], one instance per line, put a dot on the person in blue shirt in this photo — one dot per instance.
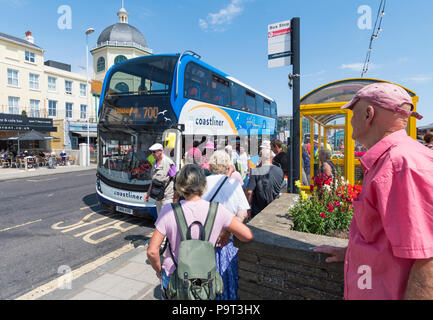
[63, 156]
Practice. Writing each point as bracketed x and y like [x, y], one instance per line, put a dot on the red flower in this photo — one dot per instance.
[323, 215]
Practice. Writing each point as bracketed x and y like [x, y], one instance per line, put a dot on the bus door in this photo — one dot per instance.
[172, 142]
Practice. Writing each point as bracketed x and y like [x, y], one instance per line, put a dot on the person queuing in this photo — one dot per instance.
[428, 138]
[229, 193]
[327, 166]
[281, 158]
[265, 181]
[231, 170]
[391, 233]
[163, 172]
[191, 184]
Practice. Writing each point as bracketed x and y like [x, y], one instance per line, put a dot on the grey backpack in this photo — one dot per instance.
[196, 276]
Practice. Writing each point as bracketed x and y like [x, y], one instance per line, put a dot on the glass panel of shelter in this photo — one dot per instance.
[323, 136]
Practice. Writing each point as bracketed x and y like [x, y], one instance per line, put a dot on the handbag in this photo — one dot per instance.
[158, 189]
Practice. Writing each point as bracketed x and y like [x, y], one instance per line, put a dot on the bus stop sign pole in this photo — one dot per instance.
[295, 134]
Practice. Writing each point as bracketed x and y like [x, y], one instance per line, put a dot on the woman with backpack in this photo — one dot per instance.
[191, 184]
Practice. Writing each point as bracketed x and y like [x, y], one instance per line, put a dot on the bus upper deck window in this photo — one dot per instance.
[267, 108]
[193, 92]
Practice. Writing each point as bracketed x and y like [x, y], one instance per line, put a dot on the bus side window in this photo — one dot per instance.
[251, 101]
[274, 110]
[196, 82]
[259, 104]
[220, 93]
[267, 108]
[193, 92]
[238, 96]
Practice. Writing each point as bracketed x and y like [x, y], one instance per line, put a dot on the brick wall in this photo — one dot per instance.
[279, 263]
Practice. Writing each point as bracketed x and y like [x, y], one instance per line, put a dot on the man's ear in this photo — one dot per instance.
[369, 113]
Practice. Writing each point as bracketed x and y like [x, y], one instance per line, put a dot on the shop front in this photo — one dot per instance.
[12, 125]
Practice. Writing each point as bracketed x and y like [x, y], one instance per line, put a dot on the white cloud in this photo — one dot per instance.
[219, 21]
[420, 78]
[357, 66]
[315, 74]
[14, 3]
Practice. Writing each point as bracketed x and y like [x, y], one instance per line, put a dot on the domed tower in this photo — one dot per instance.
[116, 43]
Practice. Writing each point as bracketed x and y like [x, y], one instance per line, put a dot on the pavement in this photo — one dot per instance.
[124, 274]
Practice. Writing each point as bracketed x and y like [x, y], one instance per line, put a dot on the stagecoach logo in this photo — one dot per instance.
[128, 195]
[209, 122]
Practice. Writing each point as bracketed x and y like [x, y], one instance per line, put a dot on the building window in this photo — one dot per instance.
[100, 65]
[30, 56]
[14, 105]
[51, 84]
[83, 111]
[13, 77]
[34, 81]
[119, 59]
[52, 108]
[68, 87]
[83, 91]
[68, 110]
[34, 108]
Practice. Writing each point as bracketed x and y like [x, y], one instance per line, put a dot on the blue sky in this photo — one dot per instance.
[232, 36]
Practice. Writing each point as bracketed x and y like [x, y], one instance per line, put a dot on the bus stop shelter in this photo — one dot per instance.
[325, 125]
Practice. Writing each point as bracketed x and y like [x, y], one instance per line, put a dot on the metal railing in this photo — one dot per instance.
[122, 44]
[44, 113]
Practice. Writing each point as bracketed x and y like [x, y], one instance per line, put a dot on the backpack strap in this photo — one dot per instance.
[180, 220]
[208, 225]
[201, 231]
[219, 188]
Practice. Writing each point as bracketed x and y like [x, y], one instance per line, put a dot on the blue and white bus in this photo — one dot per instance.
[171, 99]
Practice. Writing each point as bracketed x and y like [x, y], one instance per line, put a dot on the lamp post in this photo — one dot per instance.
[88, 31]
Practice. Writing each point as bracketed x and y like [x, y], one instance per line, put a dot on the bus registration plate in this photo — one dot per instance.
[124, 210]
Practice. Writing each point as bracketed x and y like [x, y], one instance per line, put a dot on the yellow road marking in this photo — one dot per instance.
[21, 225]
[89, 207]
[54, 284]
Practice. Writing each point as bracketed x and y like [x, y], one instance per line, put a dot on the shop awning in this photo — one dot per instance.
[92, 134]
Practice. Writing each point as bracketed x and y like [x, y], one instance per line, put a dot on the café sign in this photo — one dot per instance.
[14, 122]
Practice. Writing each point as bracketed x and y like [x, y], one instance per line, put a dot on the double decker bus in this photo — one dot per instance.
[173, 99]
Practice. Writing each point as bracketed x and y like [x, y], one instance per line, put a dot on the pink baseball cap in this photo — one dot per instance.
[385, 95]
[209, 145]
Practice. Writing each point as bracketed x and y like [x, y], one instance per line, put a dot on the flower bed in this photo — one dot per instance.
[328, 211]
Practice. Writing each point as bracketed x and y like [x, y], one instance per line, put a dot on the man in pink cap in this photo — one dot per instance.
[390, 249]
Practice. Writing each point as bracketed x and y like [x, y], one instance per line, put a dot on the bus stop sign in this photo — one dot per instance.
[279, 48]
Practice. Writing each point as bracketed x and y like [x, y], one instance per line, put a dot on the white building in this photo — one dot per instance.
[39, 89]
[36, 88]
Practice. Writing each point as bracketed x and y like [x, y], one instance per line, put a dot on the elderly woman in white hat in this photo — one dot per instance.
[163, 172]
